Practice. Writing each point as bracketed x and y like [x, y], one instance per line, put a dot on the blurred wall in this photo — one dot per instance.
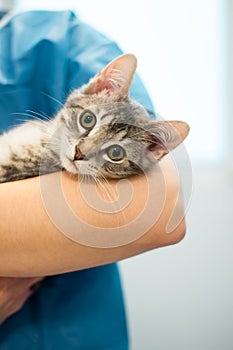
[181, 55]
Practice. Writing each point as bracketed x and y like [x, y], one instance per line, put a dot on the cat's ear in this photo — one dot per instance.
[164, 136]
[115, 78]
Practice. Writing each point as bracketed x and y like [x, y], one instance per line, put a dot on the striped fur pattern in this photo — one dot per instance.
[99, 132]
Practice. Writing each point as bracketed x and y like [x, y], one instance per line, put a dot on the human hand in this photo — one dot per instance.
[13, 294]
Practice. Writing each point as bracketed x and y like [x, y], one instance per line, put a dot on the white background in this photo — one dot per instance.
[181, 58]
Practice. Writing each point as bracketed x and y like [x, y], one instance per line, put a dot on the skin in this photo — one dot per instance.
[31, 245]
[13, 294]
[35, 245]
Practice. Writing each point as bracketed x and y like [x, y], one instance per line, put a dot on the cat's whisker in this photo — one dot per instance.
[42, 115]
[53, 98]
[49, 128]
[27, 115]
[109, 192]
[83, 178]
[105, 188]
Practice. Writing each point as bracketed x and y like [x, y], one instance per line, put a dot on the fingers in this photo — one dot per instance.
[11, 302]
[32, 281]
[14, 292]
[14, 286]
[35, 284]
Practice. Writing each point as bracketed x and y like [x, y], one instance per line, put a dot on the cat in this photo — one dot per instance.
[99, 132]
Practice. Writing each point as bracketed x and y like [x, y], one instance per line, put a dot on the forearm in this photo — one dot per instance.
[33, 245]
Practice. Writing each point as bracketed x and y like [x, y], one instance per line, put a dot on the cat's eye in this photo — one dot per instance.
[116, 153]
[87, 120]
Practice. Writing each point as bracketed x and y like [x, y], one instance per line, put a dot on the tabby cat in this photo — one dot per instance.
[99, 132]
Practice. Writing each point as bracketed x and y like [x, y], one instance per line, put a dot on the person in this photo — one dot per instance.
[45, 55]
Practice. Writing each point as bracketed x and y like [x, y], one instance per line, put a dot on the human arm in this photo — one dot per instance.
[31, 245]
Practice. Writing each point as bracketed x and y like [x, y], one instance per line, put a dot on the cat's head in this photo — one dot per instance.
[105, 133]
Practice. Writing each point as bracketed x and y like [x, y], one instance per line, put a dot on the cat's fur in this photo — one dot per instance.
[121, 129]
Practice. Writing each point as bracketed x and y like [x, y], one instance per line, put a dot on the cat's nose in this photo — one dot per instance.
[78, 154]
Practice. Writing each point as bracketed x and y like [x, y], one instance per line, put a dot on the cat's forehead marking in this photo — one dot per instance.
[117, 141]
[113, 118]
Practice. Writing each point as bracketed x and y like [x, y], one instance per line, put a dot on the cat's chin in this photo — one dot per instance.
[70, 166]
[74, 168]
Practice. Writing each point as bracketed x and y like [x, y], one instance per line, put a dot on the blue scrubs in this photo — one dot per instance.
[43, 56]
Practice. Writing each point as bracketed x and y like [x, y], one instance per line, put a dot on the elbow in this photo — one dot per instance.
[179, 233]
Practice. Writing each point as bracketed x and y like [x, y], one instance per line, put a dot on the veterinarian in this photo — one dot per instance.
[43, 56]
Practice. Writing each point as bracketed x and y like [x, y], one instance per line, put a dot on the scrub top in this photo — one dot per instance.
[44, 55]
